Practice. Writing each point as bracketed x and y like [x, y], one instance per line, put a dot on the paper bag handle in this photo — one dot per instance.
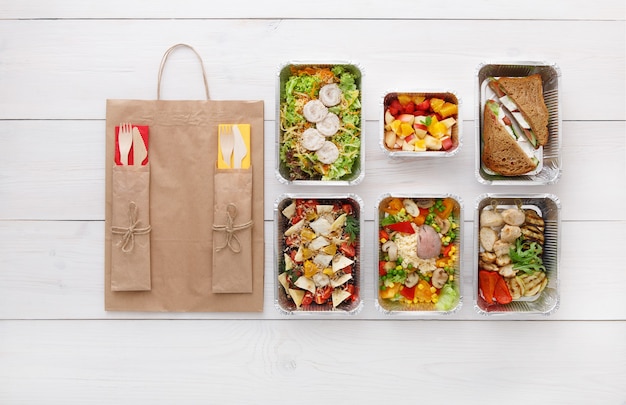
[167, 54]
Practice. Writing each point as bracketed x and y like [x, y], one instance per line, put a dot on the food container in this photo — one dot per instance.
[401, 256]
[549, 168]
[547, 206]
[403, 133]
[326, 157]
[318, 251]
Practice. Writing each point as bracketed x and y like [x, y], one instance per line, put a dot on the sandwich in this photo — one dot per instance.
[504, 151]
[523, 98]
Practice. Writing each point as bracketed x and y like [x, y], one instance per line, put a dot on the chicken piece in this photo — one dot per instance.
[509, 233]
[487, 238]
[501, 248]
[488, 266]
[503, 260]
[507, 271]
[513, 216]
[488, 257]
[491, 218]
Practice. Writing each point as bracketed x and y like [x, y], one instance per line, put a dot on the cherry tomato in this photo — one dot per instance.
[347, 208]
[348, 249]
[322, 294]
[308, 298]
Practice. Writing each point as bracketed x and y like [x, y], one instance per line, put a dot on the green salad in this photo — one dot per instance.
[332, 152]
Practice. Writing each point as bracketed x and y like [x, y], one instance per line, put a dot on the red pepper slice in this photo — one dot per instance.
[487, 281]
[401, 227]
[381, 268]
[408, 293]
[501, 292]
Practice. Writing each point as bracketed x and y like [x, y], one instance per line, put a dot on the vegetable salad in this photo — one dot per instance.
[333, 154]
[419, 253]
[320, 245]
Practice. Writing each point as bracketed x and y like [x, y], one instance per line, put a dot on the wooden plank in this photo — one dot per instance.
[262, 362]
[109, 59]
[326, 9]
[55, 270]
[69, 183]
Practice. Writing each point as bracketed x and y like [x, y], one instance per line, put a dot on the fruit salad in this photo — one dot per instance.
[420, 122]
[418, 253]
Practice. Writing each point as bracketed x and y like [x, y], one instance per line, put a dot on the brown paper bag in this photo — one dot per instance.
[183, 152]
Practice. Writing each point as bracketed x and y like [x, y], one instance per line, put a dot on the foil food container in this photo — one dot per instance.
[549, 168]
[284, 174]
[284, 247]
[400, 307]
[546, 302]
[456, 129]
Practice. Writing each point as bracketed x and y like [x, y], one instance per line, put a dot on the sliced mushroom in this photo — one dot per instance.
[425, 203]
[439, 278]
[391, 249]
[410, 207]
[411, 279]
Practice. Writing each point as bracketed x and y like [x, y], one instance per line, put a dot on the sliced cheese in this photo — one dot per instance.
[321, 226]
[282, 278]
[324, 209]
[305, 284]
[290, 210]
[341, 280]
[339, 222]
[339, 296]
[340, 261]
[322, 260]
[288, 262]
[318, 243]
[295, 228]
[296, 296]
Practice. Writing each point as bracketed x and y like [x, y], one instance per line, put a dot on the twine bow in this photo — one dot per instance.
[232, 241]
[128, 234]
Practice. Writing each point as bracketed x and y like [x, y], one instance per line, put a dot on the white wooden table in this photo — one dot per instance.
[61, 59]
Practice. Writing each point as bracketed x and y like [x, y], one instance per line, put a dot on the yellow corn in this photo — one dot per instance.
[433, 289]
[383, 240]
[451, 277]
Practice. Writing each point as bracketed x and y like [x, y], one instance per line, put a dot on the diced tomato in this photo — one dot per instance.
[408, 292]
[353, 292]
[424, 105]
[347, 269]
[501, 292]
[293, 254]
[348, 249]
[405, 227]
[308, 298]
[291, 240]
[347, 208]
[322, 294]
[381, 268]
[487, 281]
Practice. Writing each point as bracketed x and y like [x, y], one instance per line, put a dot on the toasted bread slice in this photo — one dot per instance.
[527, 94]
[501, 153]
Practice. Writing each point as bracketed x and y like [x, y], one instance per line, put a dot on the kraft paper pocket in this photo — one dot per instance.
[130, 250]
[232, 231]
